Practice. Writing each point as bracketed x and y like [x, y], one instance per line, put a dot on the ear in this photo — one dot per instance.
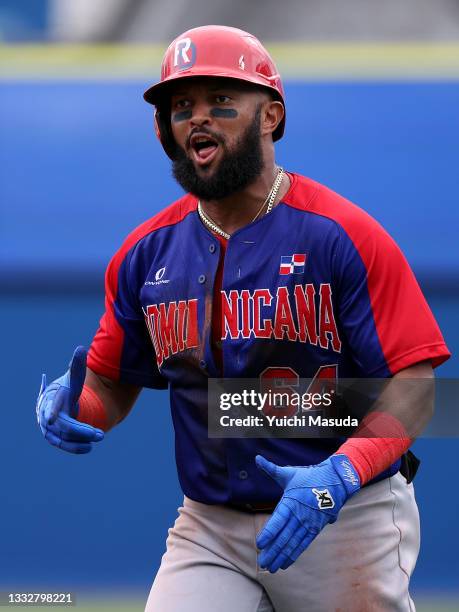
[272, 114]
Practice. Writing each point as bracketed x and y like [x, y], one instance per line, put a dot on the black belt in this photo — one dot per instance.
[408, 468]
[253, 506]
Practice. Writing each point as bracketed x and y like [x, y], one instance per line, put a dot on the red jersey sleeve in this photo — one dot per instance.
[386, 319]
[405, 326]
[122, 349]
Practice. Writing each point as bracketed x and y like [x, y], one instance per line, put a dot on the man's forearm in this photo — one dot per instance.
[389, 430]
[105, 402]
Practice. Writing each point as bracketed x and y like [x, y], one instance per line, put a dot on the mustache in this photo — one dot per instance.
[203, 130]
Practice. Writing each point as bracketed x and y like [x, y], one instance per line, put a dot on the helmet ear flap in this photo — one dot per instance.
[164, 132]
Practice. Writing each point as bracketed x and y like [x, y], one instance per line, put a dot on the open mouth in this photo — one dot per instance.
[203, 147]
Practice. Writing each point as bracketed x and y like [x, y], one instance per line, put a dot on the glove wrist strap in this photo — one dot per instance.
[346, 472]
[91, 409]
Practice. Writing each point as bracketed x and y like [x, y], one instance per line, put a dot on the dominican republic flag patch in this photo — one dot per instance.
[292, 264]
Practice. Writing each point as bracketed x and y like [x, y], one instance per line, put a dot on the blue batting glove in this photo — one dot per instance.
[57, 409]
[312, 498]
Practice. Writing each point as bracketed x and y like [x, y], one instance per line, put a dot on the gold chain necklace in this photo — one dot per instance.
[269, 200]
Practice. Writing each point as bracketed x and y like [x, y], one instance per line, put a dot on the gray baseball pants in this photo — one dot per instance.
[361, 563]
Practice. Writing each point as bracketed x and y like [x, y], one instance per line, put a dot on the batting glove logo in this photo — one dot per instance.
[324, 499]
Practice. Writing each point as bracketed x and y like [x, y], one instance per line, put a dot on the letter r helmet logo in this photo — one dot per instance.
[184, 54]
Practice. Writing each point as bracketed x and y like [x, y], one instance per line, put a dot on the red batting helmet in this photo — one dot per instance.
[212, 51]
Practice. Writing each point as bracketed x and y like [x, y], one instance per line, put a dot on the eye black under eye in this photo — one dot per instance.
[225, 113]
[181, 115]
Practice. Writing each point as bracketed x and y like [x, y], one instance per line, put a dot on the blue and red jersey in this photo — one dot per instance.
[317, 283]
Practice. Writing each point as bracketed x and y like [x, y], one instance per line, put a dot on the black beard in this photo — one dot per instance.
[237, 169]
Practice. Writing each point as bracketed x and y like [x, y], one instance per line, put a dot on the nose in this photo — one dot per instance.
[200, 114]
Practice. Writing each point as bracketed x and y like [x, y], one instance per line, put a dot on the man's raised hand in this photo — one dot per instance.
[57, 409]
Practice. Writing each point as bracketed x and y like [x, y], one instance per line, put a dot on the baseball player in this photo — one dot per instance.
[261, 273]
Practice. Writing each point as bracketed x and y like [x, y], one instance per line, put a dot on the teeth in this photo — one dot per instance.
[200, 139]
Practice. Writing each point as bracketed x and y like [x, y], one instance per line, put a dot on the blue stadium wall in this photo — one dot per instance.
[79, 168]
